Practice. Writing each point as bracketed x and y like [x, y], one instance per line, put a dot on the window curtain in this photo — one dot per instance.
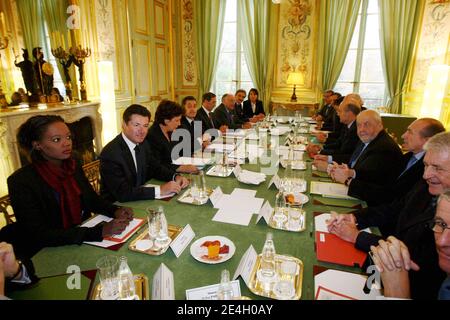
[337, 20]
[399, 22]
[55, 15]
[30, 17]
[209, 17]
[255, 20]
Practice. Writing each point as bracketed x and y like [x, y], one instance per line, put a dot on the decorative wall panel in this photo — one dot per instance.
[189, 66]
[161, 62]
[297, 31]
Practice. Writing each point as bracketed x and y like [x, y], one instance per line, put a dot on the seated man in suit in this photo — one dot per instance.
[323, 112]
[415, 137]
[253, 107]
[407, 219]
[14, 274]
[126, 163]
[239, 107]
[341, 149]
[393, 259]
[205, 115]
[192, 126]
[377, 158]
[164, 148]
[224, 115]
[331, 122]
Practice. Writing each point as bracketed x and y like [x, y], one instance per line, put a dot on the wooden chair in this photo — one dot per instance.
[7, 210]
[92, 172]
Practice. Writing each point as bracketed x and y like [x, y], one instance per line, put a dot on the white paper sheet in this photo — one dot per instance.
[330, 190]
[210, 292]
[220, 147]
[344, 283]
[233, 217]
[193, 161]
[320, 223]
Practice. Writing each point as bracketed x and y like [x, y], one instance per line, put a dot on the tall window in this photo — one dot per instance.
[232, 70]
[363, 70]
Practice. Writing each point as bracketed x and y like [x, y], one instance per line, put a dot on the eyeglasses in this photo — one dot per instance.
[438, 226]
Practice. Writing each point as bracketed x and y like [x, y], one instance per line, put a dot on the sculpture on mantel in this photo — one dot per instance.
[27, 69]
[66, 61]
[44, 72]
[79, 56]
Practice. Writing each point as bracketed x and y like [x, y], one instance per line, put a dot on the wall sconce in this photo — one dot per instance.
[295, 78]
[108, 100]
[436, 89]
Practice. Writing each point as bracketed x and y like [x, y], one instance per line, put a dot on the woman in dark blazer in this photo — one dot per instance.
[167, 120]
[51, 197]
[253, 103]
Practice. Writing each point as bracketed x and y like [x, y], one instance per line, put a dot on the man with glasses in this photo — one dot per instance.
[394, 262]
[406, 218]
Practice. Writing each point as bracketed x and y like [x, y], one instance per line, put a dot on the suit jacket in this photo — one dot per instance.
[37, 210]
[161, 148]
[222, 116]
[194, 140]
[407, 219]
[119, 180]
[331, 121]
[239, 113]
[380, 163]
[248, 111]
[375, 194]
[206, 122]
[325, 110]
[343, 148]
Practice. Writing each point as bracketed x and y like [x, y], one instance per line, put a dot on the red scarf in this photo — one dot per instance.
[62, 180]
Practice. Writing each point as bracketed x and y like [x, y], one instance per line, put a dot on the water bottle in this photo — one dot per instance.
[280, 207]
[162, 239]
[127, 290]
[268, 258]
[225, 291]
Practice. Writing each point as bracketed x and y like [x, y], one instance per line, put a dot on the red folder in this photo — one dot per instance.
[129, 234]
[330, 248]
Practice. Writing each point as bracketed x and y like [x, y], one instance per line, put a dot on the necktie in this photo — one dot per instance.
[444, 292]
[411, 162]
[211, 120]
[355, 156]
[139, 173]
[230, 117]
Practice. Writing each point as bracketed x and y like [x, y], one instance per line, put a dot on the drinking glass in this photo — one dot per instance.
[108, 267]
[153, 223]
[284, 289]
[195, 187]
[295, 217]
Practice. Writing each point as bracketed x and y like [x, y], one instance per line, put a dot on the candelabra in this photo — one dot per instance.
[79, 56]
[65, 59]
[3, 45]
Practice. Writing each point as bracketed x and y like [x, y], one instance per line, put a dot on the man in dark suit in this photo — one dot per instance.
[340, 150]
[415, 137]
[377, 158]
[240, 118]
[407, 219]
[126, 163]
[323, 112]
[224, 115]
[188, 122]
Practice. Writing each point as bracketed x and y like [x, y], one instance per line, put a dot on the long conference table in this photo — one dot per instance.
[188, 272]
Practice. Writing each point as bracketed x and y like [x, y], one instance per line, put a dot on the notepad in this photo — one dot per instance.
[330, 190]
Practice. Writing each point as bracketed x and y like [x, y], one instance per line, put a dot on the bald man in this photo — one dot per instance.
[377, 158]
[225, 117]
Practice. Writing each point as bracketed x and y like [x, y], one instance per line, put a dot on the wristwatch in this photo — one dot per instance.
[19, 270]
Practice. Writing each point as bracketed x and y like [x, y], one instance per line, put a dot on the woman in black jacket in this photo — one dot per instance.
[253, 107]
[51, 197]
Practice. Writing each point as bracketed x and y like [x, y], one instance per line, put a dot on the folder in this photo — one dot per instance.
[330, 248]
[127, 233]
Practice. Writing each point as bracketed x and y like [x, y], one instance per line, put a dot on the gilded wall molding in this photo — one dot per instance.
[187, 45]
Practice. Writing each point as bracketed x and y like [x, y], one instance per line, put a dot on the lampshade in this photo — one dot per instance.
[296, 78]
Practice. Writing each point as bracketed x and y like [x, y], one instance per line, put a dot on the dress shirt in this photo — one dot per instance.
[131, 145]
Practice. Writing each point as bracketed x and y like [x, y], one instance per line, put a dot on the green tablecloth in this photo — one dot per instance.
[189, 273]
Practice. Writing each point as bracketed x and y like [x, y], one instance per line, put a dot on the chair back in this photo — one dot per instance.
[92, 173]
[7, 210]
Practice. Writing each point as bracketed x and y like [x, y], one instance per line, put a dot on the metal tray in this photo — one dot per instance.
[186, 198]
[216, 171]
[154, 251]
[140, 282]
[273, 224]
[256, 287]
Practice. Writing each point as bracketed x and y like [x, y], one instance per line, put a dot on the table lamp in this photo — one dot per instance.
[295, 78]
